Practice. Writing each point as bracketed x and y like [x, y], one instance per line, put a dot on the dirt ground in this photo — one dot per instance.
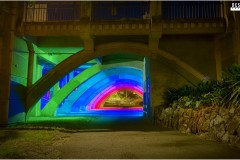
[110, 137]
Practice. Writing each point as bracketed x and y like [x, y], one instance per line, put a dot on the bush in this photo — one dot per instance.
[208, 93]
[173, 94]
[231, 81]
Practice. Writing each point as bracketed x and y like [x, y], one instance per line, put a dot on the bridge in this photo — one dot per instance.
[69, 57]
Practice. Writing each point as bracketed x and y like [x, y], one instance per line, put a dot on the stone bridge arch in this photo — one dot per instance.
[35, 92]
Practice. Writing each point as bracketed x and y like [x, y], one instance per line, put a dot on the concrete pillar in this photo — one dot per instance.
[147, 89]
[6, 41]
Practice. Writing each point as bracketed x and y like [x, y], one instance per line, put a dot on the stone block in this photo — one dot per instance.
[216, 121]
[220, 131]
[175, 120]
[238, 130]
[231, 111]
[207, 115]
[225, 137]
[206, 125]
[233, 125]
[189, 112]
[186, 119]
[201, 121]
[213, 115]
[237, 111]
[180, 121]
[223, 111]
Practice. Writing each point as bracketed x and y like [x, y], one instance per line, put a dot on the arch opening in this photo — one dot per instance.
[123, 98]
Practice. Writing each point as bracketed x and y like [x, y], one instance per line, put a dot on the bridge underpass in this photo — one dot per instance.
[84, 91]
[185, 45]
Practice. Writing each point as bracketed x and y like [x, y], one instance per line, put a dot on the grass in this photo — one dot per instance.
[39, 138]
[66, 124]
[30, 144]
[42, 137]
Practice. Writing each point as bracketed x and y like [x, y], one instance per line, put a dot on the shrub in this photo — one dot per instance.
[173, 94]
[208, 93]
[231, 81]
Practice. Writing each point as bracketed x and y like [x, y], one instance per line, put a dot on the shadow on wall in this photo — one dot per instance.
[16, 111]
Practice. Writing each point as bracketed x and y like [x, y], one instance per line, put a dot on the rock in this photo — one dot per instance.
[226, 118]
[169, 111]
[176, 111]
[218, 123]
[231, 111]
[194, 114]
[238, 131]
[194, 126]
[233, 139]
[217, 120]
[233, 125]
[180, 112]
[170, 122]
[213, 115]
[205, 126]
[225, 137]
[223, 111]
[207, 116]
[237, 143]
[180, 121]
[189, 112]
[200, 124]
[175, 121]
[220, 131]
[237, 111]
[188, 130]
[186, 119]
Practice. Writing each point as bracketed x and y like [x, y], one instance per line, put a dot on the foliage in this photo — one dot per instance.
[208, 93]
[231, 80]
[173, 94]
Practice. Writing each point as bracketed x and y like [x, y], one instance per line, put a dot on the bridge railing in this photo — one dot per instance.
[101, 11]
[119, 10]
[192, 10]
[52, 11]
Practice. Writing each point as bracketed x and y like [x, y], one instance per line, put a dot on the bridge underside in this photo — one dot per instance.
[54, 66]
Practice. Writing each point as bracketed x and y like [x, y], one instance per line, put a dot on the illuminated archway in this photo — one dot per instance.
[89, 78]
[48, 80]
[91, 101]
[98, 89]
[113, 80]
[97, 102]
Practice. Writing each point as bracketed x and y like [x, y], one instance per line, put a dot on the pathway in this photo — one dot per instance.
[135, 137]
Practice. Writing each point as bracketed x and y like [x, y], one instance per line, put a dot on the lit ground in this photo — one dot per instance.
[111, 136]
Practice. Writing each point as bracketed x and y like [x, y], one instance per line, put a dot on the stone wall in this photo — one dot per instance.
[217, 123]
